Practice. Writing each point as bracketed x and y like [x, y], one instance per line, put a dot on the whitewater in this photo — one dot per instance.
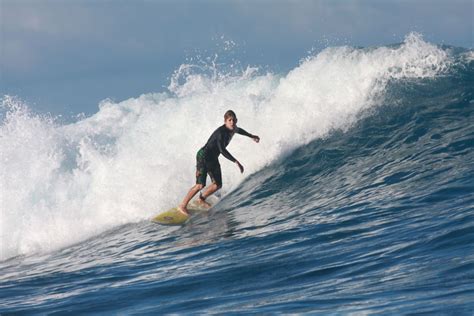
[358, 198]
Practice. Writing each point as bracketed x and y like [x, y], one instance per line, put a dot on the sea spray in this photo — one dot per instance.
[63, 183]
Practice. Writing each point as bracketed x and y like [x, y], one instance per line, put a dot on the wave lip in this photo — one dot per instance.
[64, 183]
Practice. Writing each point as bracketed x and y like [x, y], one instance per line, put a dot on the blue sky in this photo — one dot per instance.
[67, 56]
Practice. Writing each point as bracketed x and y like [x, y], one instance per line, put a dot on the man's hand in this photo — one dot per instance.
[240, 167]
[256, 138]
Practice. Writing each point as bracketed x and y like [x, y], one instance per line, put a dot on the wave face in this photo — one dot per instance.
[359, 198]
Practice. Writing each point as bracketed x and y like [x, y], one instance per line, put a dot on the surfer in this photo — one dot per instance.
[207, 161]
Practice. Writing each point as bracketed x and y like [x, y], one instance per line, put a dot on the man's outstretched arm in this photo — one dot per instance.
[241, 131]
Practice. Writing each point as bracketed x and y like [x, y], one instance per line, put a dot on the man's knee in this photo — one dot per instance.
[216, 185]
[199, 186]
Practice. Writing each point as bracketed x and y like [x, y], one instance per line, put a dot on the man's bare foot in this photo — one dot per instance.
[203, 203]
[183, 210]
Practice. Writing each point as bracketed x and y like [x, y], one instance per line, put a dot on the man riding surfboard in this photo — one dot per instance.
[207, 161]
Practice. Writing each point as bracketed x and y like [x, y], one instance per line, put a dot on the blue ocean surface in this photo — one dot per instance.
[359, 198]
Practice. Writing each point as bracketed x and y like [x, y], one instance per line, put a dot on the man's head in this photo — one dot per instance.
[230, 120]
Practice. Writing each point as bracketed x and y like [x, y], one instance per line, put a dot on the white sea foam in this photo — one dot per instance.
[64, 183]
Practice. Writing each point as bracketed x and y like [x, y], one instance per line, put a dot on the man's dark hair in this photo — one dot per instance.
[228, 114]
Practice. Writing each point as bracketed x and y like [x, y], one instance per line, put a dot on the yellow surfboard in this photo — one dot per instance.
[174, 217]
[171, 217]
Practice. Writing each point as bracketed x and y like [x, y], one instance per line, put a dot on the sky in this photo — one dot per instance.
[64, 57]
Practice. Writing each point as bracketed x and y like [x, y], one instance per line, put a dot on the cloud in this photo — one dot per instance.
[363, 22]
[52, 38]
[41, 37]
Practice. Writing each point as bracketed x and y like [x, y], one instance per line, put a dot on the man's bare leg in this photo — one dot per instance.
[192, 192]
[209, 191]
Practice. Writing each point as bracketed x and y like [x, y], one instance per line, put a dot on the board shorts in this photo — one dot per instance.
[204, 167]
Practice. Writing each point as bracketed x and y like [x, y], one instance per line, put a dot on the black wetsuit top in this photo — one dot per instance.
[218, 142]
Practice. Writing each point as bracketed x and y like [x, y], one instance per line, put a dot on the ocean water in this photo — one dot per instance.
[358, 199]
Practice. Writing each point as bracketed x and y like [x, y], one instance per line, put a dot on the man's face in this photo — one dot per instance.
[231, 123]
